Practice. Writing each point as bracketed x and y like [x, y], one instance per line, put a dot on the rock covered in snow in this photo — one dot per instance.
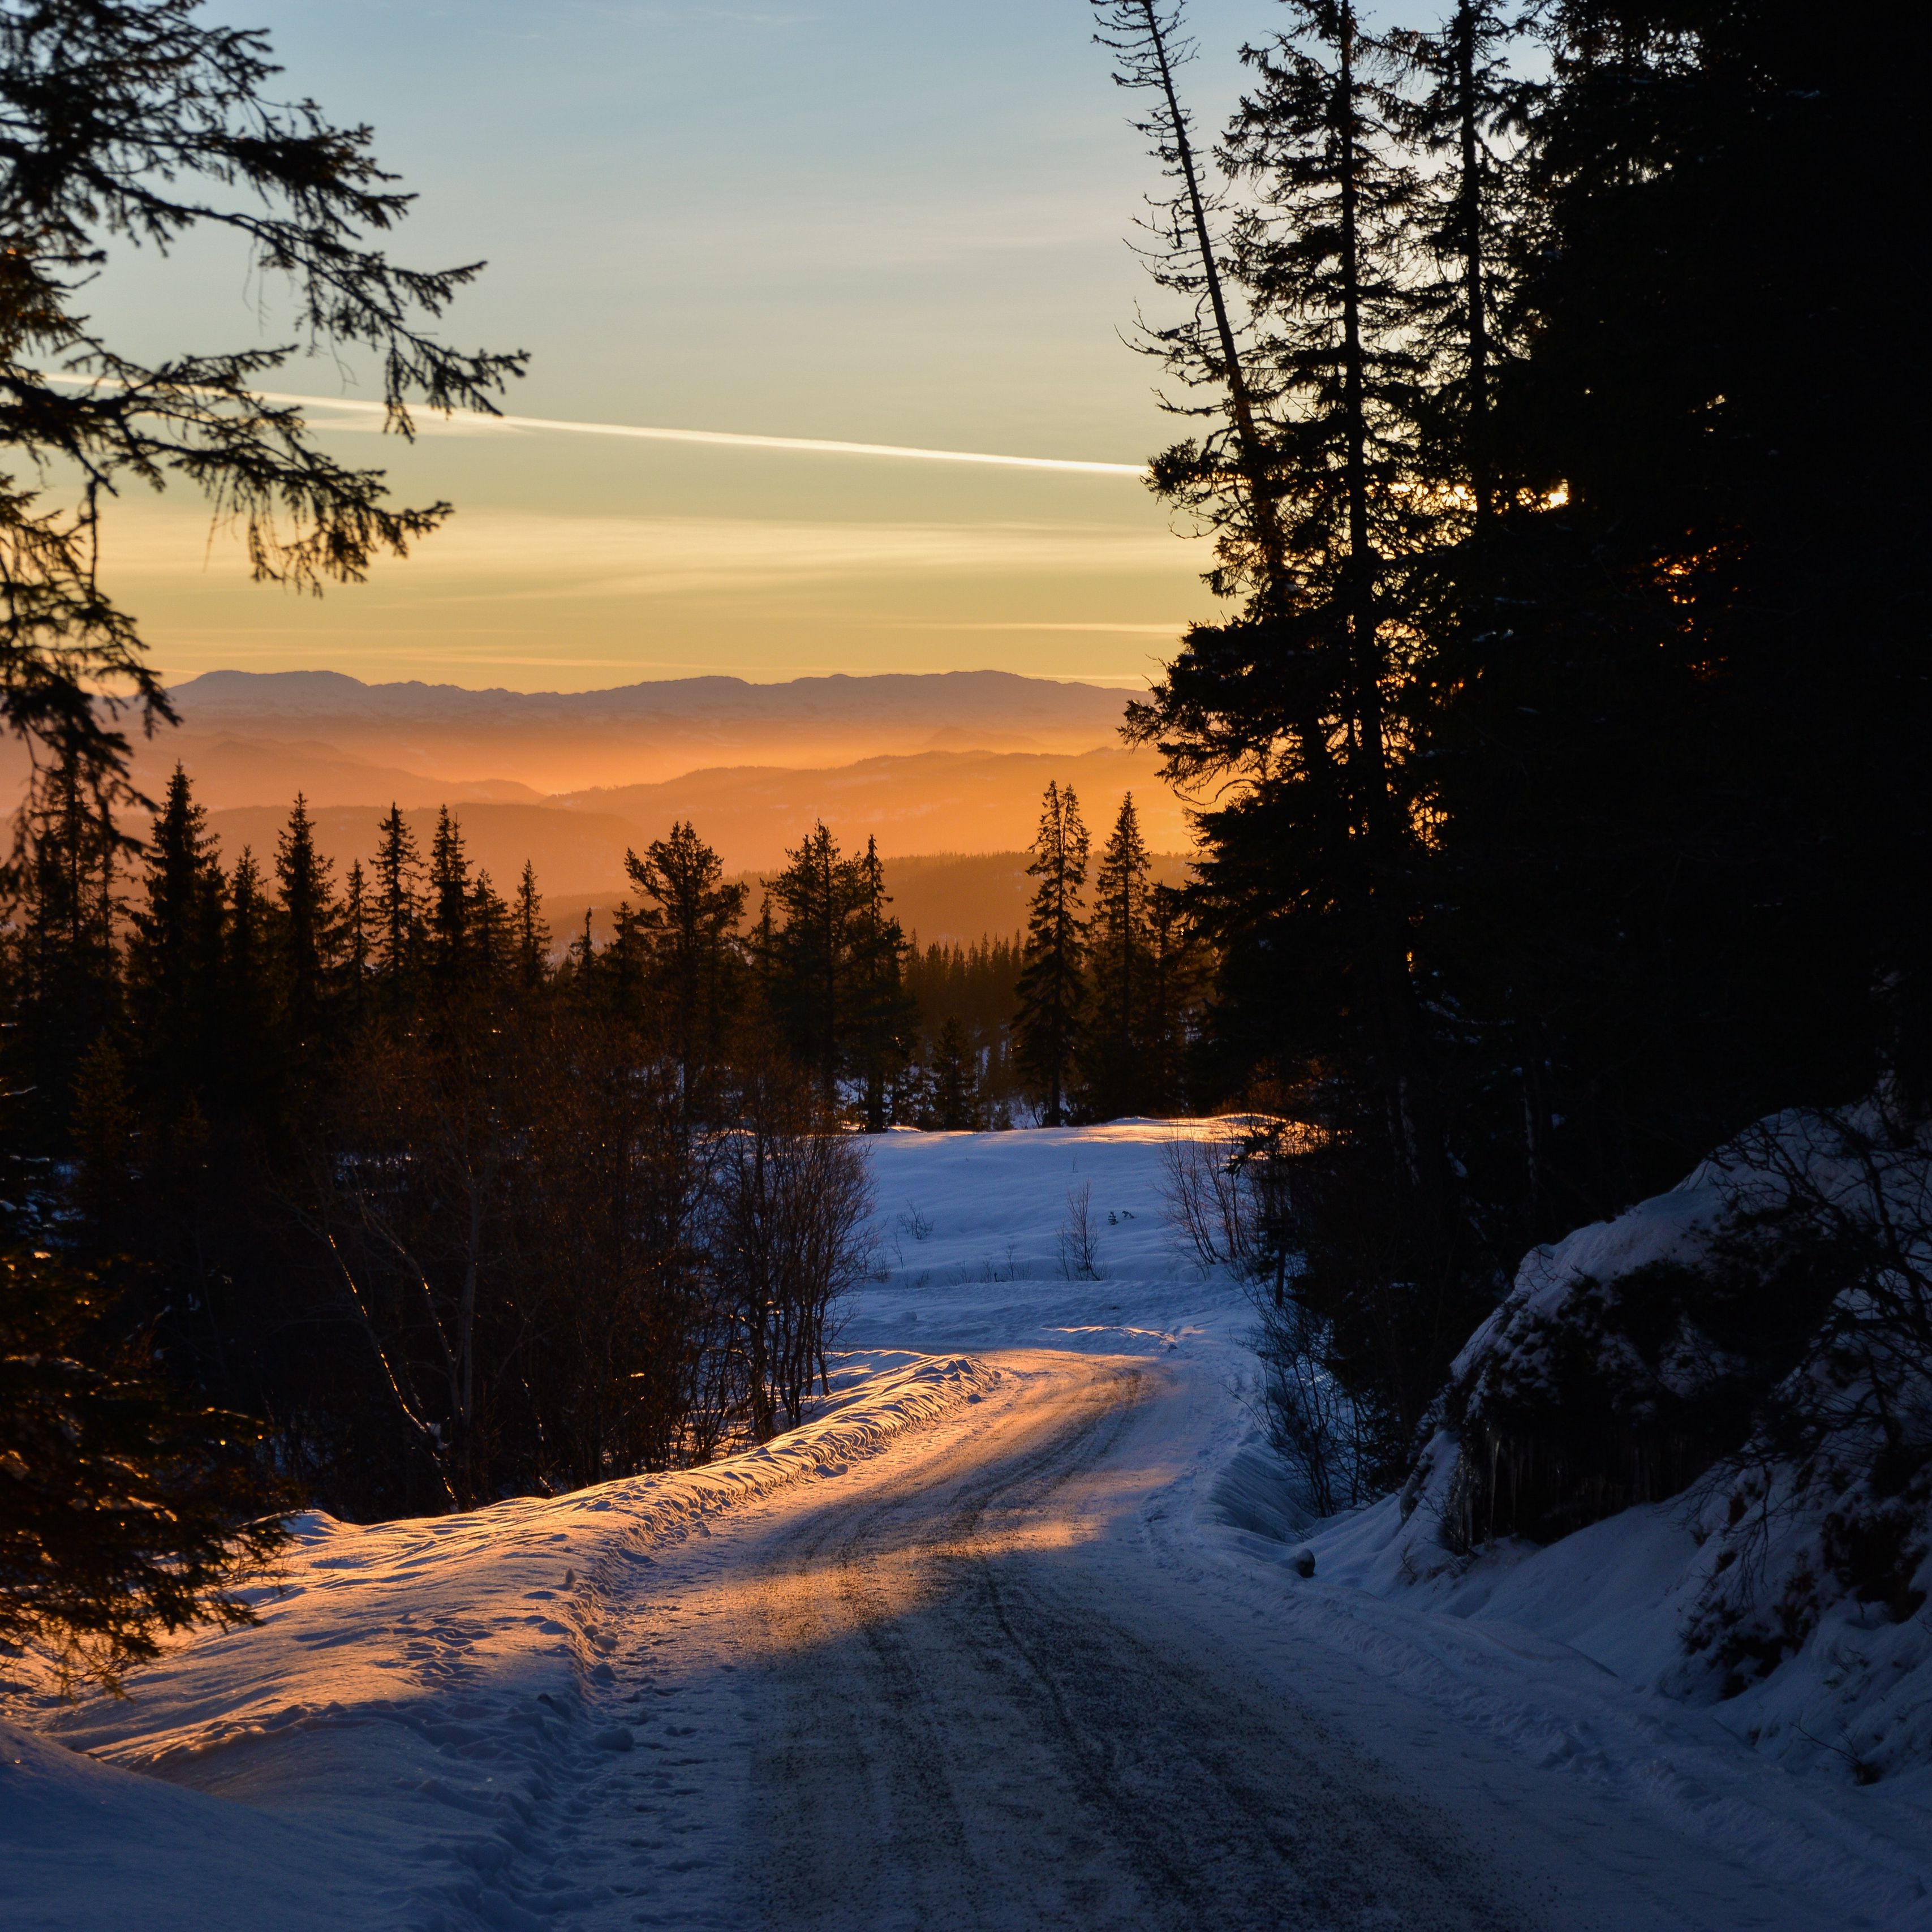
[1745, 1363]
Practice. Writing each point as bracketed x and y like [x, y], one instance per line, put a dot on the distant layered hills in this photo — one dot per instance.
[936, 801]
[948, 764]
[638, 734]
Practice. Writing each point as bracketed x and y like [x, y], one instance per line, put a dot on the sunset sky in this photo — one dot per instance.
[863, 220]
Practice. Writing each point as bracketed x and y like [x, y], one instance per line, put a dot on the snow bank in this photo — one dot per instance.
[431, 1709]
[1759, 1560]
[405, 1725]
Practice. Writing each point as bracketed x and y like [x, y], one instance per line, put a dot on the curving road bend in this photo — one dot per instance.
[967, 1692]
[966, 1728]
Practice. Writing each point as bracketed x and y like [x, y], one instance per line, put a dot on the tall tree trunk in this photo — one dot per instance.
[1482, 479]
[1254, 455]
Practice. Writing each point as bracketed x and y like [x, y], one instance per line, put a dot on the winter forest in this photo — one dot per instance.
[1543, 405]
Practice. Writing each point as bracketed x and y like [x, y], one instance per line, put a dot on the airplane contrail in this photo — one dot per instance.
[729, 439]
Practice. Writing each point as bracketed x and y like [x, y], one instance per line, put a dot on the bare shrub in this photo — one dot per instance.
[1079, 1237]
[1229, 1196]
[1310, 1421]
[510, 1215]
[791, 1199]
[1207, 1200]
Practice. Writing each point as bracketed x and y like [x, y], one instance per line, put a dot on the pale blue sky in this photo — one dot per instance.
[867, 219]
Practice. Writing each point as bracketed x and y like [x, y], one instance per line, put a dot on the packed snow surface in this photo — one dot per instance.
[1009, 1634]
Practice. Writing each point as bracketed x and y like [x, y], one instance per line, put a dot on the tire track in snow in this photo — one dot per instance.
[967, 1734]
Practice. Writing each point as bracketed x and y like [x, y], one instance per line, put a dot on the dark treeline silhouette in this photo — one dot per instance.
[1109, 996]
[1561, 761]
[450, 1218]
[965, 997]
[132, 1503]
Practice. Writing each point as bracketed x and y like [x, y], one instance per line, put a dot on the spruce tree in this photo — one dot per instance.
[531, 934]
[310, 927]
[688, 931]
[883, 1014]
[582, 956]
[248, 992]
[447, 922]
[490, 930]
[62, 967]
[398, 914]
[1175, 974]
[954, 1097]
[1466, 122]
[1047, 1024]
[174, 962]
[358, 937]
[1302, 712]
[1118, 947]
[808, 971]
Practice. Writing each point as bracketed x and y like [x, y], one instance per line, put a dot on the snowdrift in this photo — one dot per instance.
[1695, 1444]
[408, 1721]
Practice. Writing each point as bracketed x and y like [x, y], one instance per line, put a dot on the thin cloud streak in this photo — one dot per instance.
[470, 421]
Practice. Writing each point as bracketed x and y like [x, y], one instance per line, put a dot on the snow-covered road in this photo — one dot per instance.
[1007, 1638]
[965, 1686]
[964, 1721]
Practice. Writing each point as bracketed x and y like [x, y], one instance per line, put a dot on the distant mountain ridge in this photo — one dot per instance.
[939, 698]
[929, 801]
[633, 734]
[949, 762]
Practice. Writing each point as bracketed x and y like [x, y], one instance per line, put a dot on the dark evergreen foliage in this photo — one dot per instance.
[1560, 762]
[448, 1220]
[834, 971]
[128, 1510]
[1119, 947]
[142, 123]
[687, 931]
[1047, 1028]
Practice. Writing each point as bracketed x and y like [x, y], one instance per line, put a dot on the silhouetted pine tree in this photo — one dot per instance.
[688, 933]
[311, 930]
[1176, 976]
[531, 934]
[359, 940]
[1114, 1063]
[1148, 40]
[61, 981]
[447, 920]
[1468, 122]
[882, 1013]
[174, 959]
[397, 910]
[1046, 1027]
[808, 972]
[955, 1093]
[490, 933]
[250, 1041]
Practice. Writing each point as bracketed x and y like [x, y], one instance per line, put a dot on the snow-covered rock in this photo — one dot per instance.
[1713, 1416]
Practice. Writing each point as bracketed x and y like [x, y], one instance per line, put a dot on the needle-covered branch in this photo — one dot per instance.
[133, 126]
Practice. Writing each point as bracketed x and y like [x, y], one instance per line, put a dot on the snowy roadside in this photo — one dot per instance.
[1554, 1652]
[425, 1721]
[404, 1723]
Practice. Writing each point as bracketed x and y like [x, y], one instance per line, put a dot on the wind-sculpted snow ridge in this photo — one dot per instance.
[421, 1703]
[1780, 1581]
